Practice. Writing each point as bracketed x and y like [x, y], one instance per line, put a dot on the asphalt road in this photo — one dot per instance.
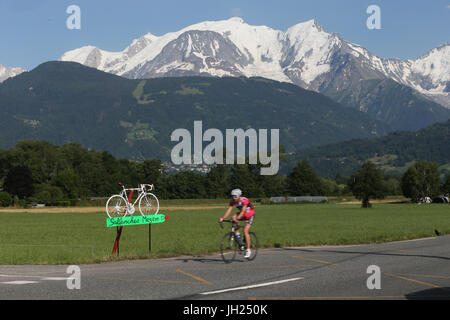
[417, 269]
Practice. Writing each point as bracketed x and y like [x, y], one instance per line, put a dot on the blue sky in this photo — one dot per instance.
[34, 31]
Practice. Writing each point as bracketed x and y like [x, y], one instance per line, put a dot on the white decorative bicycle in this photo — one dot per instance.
[119, 205]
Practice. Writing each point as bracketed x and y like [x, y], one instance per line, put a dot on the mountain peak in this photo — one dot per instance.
[149, 36]
[306, 27]
[236, 19]
[442, 48]
[309, 24]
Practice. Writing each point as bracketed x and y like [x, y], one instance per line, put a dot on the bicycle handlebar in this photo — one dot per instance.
[227, 220]
[142, 187]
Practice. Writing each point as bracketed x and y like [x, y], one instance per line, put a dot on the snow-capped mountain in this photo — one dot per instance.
[305, 55]
[8, 72]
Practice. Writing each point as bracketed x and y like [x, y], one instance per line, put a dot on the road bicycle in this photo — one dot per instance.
[229, 245]
[120, 205]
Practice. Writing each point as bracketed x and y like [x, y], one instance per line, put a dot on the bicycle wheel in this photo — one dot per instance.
[148, 204]
[116, 206]
[228, 247]
[253, 245]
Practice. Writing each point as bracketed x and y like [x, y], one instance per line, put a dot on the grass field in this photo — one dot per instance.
[82, 237]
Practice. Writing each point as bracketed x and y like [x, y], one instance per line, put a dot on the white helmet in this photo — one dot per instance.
[235, 193]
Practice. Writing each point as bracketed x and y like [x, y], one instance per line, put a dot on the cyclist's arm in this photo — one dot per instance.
[227, 213]
[239, 217]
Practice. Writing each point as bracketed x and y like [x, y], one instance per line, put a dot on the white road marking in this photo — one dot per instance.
[251, 286]
[20, 276]
[19, 282]
[38, 278]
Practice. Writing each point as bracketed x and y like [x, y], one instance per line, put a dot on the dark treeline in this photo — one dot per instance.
[37, 171]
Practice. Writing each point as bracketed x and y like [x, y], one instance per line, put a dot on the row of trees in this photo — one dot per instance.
[422, 179]
[37, 171]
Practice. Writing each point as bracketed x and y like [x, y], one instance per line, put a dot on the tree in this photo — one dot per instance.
[218, 184]
[274, 185]
[186, 185]
[331, 187]
[40, 157]
[303, 181]
[5, 199]
[421, 180]
[19, 182]
[247, 178]
[446, 186]
[69, 183]
[368, 183]
[393, 185]
[45, 193]
[341, 179]
[151, 171]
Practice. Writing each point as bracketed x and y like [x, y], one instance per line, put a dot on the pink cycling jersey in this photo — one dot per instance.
[242, 202]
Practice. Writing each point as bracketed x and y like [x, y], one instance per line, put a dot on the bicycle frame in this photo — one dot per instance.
[142, 191]
[233, 225]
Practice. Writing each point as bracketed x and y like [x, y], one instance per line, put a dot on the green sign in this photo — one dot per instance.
[129, 221]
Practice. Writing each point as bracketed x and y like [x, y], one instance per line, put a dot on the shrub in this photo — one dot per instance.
[5, 199]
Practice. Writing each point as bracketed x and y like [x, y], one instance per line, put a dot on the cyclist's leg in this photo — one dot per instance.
[248, 225]
[236, 229]
[247, 235]
[236, 225]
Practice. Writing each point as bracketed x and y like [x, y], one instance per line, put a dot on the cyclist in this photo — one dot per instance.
[246, 211]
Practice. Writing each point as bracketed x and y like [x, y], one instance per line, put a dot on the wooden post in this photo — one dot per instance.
[116, 243]
[149, 237]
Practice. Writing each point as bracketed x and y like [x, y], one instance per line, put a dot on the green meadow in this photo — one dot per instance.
[82, 237]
